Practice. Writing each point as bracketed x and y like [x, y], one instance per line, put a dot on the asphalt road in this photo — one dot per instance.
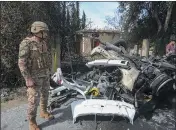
[15, 119]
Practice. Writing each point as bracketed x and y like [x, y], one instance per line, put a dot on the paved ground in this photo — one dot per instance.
[15, 119]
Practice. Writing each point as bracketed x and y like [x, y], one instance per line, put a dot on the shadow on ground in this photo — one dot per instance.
[158, 119]
[61, 115]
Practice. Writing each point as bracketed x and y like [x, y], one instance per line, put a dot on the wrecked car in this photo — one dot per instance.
[117, 85]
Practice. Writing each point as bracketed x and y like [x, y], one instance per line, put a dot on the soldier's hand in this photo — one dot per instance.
[30, 82]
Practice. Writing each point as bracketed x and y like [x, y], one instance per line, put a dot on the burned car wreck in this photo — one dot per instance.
[116, 86]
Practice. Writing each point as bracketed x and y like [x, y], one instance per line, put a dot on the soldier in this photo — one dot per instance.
[171, 47]
[35, 66]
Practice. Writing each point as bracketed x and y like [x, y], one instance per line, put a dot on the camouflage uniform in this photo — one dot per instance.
[35, 61]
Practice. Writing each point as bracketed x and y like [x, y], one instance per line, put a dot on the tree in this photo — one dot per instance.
[68, 20]
[77, 15]
[83, 20]
[152, 20]
[74, 17]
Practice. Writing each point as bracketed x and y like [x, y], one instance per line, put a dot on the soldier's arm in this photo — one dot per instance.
[22, 60]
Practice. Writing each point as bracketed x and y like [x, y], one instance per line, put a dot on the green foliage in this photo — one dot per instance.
[74, 17]
[146, 19]
[77, 15]
[83, 20]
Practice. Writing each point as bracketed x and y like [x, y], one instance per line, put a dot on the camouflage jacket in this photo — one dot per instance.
[34, 58]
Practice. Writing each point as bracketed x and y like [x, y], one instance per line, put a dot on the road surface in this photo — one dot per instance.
[15, 119]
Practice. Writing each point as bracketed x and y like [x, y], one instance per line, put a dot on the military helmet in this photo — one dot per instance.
[38, 26]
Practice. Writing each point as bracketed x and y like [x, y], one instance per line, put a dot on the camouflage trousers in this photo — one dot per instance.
[38, 95]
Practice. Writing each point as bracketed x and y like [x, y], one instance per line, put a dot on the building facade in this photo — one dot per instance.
[86, 40]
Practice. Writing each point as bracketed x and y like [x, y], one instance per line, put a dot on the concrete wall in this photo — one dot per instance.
[86, 44]
[108, 37]
[85, 48]
[140, 52]
[145, 48]
[135, 50]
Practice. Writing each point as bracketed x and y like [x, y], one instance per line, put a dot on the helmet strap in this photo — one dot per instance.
[40, 36]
